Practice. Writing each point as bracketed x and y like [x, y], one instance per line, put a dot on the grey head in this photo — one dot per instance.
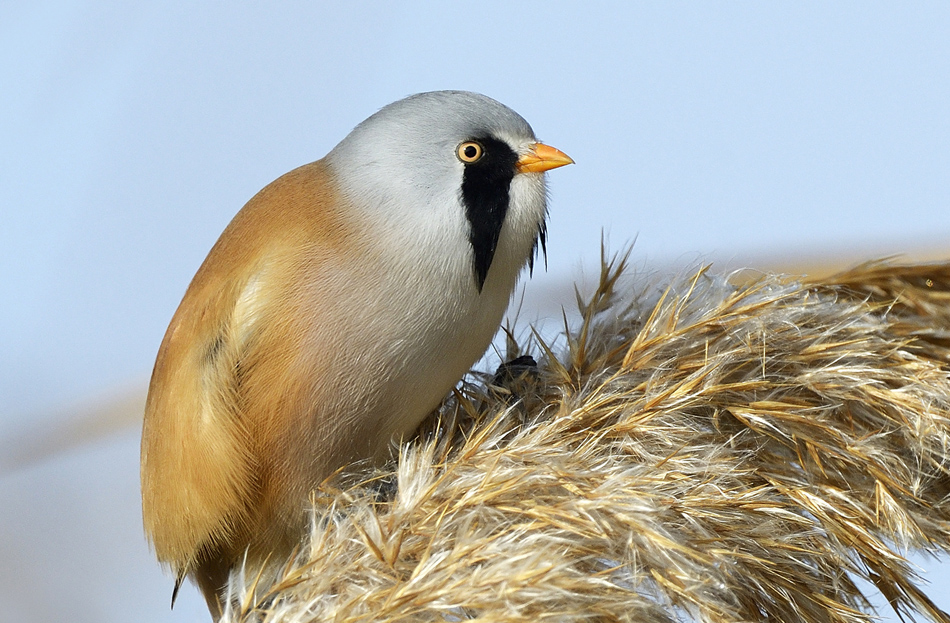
[408, 165]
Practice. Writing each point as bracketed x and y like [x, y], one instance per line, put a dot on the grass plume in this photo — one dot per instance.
[702, 451]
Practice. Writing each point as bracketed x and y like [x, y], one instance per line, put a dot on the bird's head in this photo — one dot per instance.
[451, 168]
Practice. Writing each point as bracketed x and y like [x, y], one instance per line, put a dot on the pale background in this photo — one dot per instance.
[761, 134]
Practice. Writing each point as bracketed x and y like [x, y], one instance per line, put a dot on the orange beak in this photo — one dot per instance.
[542, 158]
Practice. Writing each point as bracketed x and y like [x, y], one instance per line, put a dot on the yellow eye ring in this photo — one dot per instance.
[470, 151]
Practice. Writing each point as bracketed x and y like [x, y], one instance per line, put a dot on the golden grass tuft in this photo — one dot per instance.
[706, 452]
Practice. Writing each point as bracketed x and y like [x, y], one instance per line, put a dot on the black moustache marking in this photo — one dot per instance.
[485, 194]
[542, 239]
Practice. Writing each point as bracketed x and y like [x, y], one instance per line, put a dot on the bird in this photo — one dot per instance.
[338, 308]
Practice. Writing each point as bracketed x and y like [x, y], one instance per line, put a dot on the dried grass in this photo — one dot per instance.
[708, 452]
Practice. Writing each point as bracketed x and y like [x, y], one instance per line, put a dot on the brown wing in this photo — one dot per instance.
[199, 459]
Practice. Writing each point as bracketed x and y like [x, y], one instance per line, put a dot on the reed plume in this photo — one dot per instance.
[699, 451]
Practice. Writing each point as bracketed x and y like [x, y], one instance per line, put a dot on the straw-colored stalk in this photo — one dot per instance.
[706, 452]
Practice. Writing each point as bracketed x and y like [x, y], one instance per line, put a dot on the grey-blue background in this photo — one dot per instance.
[130, 133]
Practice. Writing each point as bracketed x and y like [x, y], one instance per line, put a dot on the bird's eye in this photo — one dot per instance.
[470, 151]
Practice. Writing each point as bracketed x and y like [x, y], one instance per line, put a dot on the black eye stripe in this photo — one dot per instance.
[485, 193]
